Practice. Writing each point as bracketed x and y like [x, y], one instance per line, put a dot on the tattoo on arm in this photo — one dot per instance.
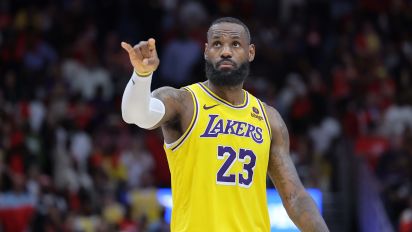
[308, 214]
[291, 196]
[299, 205]
[172, 99]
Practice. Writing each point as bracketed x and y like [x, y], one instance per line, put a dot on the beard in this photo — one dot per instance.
[227, 78]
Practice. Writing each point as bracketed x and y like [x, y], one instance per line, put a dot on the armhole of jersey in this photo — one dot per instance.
[262, 107]
[173, 146]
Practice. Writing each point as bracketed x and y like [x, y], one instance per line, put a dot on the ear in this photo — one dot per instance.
[205, 55]
[252, 52]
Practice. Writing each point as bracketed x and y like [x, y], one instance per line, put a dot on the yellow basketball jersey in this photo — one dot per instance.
[218, 166]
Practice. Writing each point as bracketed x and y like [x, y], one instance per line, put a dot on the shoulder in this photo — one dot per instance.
[274, 117]
[168, 93]
[280, 134]
[272, 114]
[178, 102]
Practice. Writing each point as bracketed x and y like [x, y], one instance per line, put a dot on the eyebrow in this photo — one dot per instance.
[233, 35]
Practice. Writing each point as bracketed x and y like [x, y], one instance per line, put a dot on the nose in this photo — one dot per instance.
[226, 52]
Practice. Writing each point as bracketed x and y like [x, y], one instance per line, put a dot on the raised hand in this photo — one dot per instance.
[143, 56]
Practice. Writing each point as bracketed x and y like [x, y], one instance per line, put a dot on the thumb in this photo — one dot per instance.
[127, 47]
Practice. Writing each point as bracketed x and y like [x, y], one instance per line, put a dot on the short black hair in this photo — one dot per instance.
[231, 20]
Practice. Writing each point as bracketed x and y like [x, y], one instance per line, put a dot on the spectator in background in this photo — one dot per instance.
[39, 53]
[17, 205]
[183, 52]
[394, 172]
[139, 164]
[293, 89]
[397, 119]
[405, 221]
[180, 56]
[88, 79]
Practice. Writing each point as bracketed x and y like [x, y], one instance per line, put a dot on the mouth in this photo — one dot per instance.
[226, 64]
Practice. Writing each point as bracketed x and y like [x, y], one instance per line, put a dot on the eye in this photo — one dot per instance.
[236, 44]
[216, 44]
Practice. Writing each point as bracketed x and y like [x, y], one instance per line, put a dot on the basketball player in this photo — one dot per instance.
[220, 141]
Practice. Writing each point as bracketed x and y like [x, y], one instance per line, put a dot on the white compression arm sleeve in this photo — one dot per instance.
[138, 106]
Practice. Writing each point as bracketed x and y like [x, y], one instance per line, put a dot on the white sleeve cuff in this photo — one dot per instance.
[138, 106]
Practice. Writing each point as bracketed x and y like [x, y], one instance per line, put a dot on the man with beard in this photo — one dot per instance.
[220, 141]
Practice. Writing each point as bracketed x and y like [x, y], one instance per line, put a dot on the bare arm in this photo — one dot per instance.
[299, 205]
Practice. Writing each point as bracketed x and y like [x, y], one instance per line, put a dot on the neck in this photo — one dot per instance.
[232, 94]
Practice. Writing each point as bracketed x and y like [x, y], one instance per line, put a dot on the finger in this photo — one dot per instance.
[133, 54]
[152, 47]
[152, 44]
[141, 48]
[126, 47]
[137, 52]
[144, 49]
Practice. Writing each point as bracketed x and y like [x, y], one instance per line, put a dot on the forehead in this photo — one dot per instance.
[230, 30]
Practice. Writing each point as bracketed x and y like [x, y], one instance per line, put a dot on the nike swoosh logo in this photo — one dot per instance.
[209, 107]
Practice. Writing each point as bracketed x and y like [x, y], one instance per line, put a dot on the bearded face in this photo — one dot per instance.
[227, 76]
[228, 53]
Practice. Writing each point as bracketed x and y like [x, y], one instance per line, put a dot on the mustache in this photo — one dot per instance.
[226, 60]
[226, 78]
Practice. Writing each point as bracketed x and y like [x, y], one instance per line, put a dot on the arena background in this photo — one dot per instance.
[339, 72]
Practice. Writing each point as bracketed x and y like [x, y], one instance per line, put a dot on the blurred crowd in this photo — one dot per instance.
[339, 69]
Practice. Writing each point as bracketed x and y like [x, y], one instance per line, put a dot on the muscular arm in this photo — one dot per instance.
[299, 205]
[178, 105]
